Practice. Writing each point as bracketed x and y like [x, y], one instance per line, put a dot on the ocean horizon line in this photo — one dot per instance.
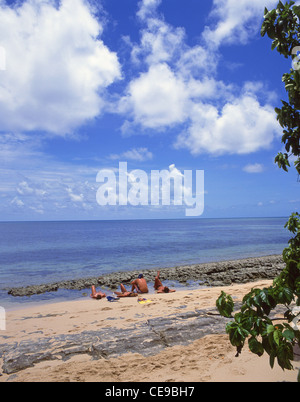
[143, 219]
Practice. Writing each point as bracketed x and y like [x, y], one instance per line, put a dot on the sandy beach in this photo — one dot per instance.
[54, 327]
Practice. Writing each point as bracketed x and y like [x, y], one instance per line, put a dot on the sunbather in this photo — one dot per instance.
[124, 292]
[97, 295]
[139, 285]
[159, 287]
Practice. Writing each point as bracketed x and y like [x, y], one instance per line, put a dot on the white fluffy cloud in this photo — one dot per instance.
[156, 98]
[159, 42]
[57, 71]
[147, 7]
[56, 66]
[240, 127]
[160, 96]
[179, 86]
[235, 20]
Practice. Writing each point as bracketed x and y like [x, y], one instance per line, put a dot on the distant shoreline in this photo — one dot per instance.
[221, 273]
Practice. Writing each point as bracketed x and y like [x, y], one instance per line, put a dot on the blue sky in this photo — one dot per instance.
[154, 83]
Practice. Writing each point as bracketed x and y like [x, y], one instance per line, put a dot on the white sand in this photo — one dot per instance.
[211, 358]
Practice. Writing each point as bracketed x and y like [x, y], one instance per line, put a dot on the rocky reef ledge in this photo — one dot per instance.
[221, 273]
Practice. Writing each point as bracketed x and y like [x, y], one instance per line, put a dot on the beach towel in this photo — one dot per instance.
[143, 300]
[112, 299]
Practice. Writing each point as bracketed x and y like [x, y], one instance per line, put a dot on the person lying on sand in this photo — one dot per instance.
[96, 295]
[139, 285]
[159, 287]
[124, 292]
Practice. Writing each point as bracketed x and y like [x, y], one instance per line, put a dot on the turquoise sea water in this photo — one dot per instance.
[43, 252]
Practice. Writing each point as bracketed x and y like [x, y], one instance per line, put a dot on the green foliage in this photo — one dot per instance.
[282, 26]
[225, 305]
[253, 322]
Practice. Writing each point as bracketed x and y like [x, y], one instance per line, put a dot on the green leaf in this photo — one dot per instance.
[272, 359]
[255, 346]
[237, 334]
[296, 10]
[225, 305]
[274, 44]
[289, 334]
[285, 355]
[277, 335]
[263, 29]
[266, 344]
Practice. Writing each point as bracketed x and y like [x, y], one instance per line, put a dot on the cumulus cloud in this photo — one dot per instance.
[235, 21]
[179, 87]
[147, 7]
[57, 67]
[157, 98]
[159, 42]
[57, 76]
[241, 127]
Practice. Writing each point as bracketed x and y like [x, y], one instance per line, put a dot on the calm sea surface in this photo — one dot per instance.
[43, 252]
